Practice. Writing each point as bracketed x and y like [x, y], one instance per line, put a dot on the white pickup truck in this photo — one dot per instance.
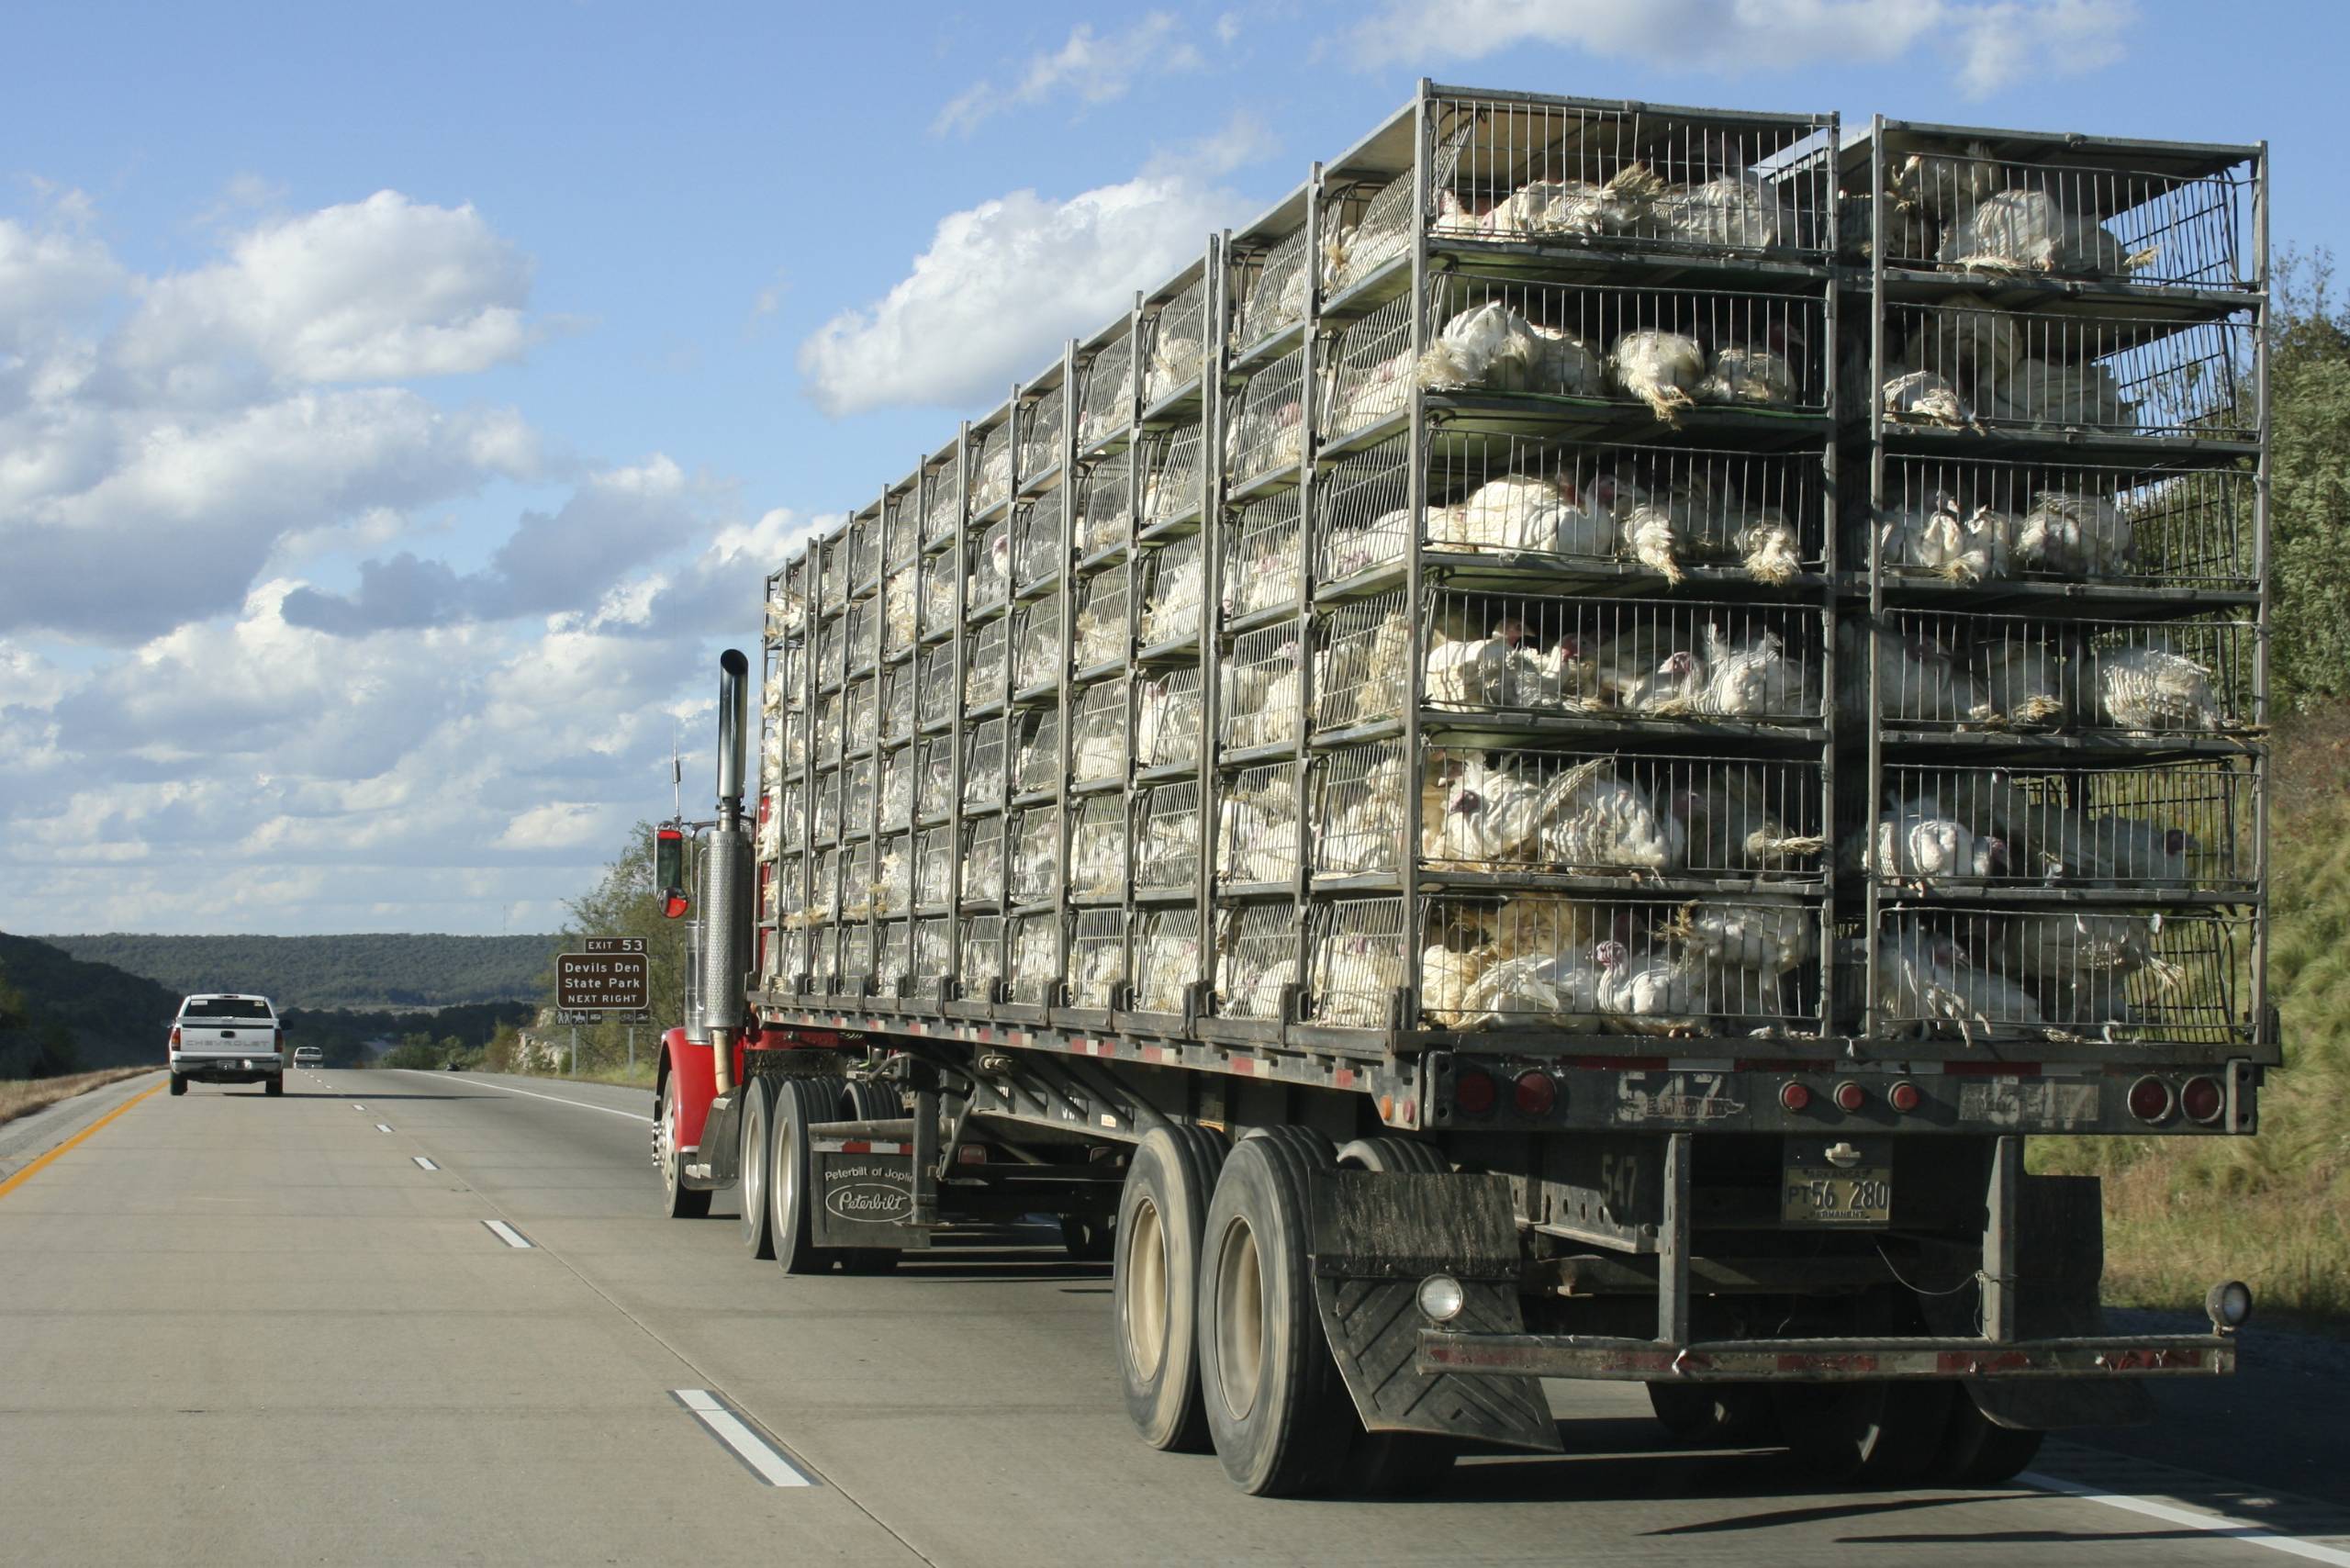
[222, 1039]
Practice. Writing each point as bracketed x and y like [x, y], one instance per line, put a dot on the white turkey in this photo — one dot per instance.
[1167, 852]
[2067, 946]
[1591, 511]
[2017, 685]
[2125, 851]
[1167, 725]
[2047, 392]
[1034, 958]
[1650, 994]
[1491, 818]
[1660, 369]
[1347, 550]
[1928, 981]
[2029, 231]
[1948, 185]
[1098, 747]
[1916, 680]
[1736, 212]
[1172, 610]
[1446, 976]
[1097, 967]
[1559, 990]
[1468, 674]
[1921, 397]
[1494, 347]
[1514, 512]
[1736, 827]
[1650, 671]
[1766, 936]
[1748, 374]
[786, 615]
[1969, 339]
[1593, 819]
[889, 890]
[1654, 537]
[1766, 547]
[2069, 534]
[771, 697]
[1917, 843]
[770, 841]
[2148, 690]
[1174, 362]
[1559, 676]
[1262, 700]
[1752, 679]
[1939, 538]
[898, 611]
[1547, 208]
[994, 480]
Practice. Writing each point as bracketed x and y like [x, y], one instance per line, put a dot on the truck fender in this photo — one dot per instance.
[697, 1079]
[1376, 1236]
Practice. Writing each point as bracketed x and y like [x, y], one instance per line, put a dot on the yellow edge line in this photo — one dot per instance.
[29, 1172]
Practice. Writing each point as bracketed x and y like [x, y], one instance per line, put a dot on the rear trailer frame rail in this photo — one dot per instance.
[1821, 1360]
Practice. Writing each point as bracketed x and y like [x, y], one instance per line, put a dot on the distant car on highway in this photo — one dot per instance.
[307, 1056]
[225, 1038]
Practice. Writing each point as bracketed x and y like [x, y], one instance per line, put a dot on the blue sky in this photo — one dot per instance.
[397, 403]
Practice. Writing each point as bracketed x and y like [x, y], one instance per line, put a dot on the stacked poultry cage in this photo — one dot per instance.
[1564, 563]
[2064, 559]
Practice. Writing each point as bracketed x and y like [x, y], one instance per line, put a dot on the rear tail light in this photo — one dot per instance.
[1903, 1097]
[2150, 1099]
[1535, 1093]
[1850, 1096]
[2202, 1099]
[1794, 1096]
[1474, 1092]
[176, 1037]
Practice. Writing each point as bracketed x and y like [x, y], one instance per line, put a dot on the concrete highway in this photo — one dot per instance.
[244, 1330]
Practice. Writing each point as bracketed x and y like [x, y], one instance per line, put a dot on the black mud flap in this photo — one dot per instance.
[863, 1194]
[1376, 1236]
[2060, 1263]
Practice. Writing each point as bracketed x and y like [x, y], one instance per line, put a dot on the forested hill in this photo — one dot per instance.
[59, 1014]
[359, 970]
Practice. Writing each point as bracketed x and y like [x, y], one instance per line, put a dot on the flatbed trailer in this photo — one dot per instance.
[1880, 693]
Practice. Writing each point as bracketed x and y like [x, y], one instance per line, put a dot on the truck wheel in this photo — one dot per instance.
[179, 1085]
[1977, 1451]
[1277, 1409]
[1154, 1284]
[800, 1104]
[275, 1084]
[758, 1232]
[862, 1102]
[1089, 1238]
[1715, 1415]
[1397, 1464]
[677, 1200]
[1883, 1432]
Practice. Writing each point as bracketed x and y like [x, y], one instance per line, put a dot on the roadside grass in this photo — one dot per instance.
[2274, 1209]
[22, 1096]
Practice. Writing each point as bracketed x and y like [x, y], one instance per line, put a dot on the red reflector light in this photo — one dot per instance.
[2202, 1099]
[1903, 1097]
[1535, 1093]
[1794, 1096]
[1850, 1096]
[176, 1037]
[2150, 1099]
[1474, 1093]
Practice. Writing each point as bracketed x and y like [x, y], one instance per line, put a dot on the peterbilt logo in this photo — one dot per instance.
[867, 1201]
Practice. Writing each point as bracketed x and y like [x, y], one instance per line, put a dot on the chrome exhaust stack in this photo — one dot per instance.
[726, 870]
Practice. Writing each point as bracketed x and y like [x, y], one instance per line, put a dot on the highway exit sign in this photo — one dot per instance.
[609, 976]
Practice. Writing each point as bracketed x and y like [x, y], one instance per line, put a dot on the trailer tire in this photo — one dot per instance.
[862, 1102]
[1276, 1408]
[1715, 1414]
[678, 1201]
[1977, 1451]
[1883, 1432]
[1397, 1464]
[800, 1104]
[751, 1169]
[1154, 1285]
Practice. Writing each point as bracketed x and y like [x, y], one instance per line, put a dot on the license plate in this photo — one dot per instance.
[1837, 1182]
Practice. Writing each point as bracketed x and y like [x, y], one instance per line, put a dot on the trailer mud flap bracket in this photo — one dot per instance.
[1376, 1236]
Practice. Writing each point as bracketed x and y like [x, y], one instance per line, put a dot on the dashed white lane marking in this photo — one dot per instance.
[422, 1163]
[357, 1106]
[762, 1457]
[557, 1099]
[382, 1128]
[507, 1232]
[2215, 1524]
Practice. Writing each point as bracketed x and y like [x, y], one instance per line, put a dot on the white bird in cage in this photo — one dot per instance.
[1923, 397]
[1467, 345]
[2070, 535]
[1591, 511]
[1098, 749]
[1765, 936]
[1734, 827]
[1766, 547]
[1174, 361]
[1947, 185]
[1969, 339]
[2048, 392]
[770, 842]
[1446, 976]
[2073, 947]
[1927, 980]
[1625, 204]
[1514, 512]
[2148, 690]
[1489, 818]
[1917, 682]
[1558, 989]
[1959, 548]
[1595, 819]
[786, 613]
[1095, 868]
[1748, 374]
[2017, 685]
[890, 883]
[2030, 231]
[1647, 995]
[1529, 923]
[995, 479]
[1655, 537]
[1033, 959]
[898, 611]
[1259, 844]
[1167, 725]
[1667, 686]
[2126, 851]
[1563, 675]
[1098, 967]
[1557, 362]
[1733, 212]
[1173, 609]
[1752, 679]
[1660, 369]
[1915, 842]
[1264, 705]
[1468, 674]
[771, 697]
[1349, 550]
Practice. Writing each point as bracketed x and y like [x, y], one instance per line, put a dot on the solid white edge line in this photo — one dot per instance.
[556, 1099]
[422, 1163]
[2216, 1524]
[507, 1232]
[748, 1445]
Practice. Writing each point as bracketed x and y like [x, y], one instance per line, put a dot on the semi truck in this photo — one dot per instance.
[1545, 765]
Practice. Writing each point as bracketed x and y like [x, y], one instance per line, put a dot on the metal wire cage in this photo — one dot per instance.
[823, 958]
[2116, 832]
[1106, 506]
[828, 728]
[1097, 958]
[854, 976]
[1606, 661]
[1264, 557]
[1036, 761]
[787, 606]
[1998, 674]
[1261, 692]
[1177, 333]
[863, 646]
[933, 955]
[1270, 284]
[1357, 969]
[857, 879]
[1035, 853]
[983, 759]
[1041, 427]
[979, 956]
[937, 597]
[942, 499]
[1169, 718]
[900, 617]
[1102, 635]
[983, 675]
[896, 788]
[1098, 734]
[935, 687]
[833, 577]
[1038, 552]
[1167, 837]
[1036, 657]
[824, 888]
[827, 820]
[1257, 826]
[988, 580]
[934, 860]
[1097, 858]
[989, 470]
[831, 648]
[1106, 405]
[900, 517]
[863, 553]
[2106, 375]
[1172, 491]
[898, 684]
[1962, 522]
[1034, 973]
[934, 779]
[1174, 581]
[790, 816]
[1166, 959]
[861, 715]
[893, 873]
[1268, 434]
[983, 844]
[1256, 967]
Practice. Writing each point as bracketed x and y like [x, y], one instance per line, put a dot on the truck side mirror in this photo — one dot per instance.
[669, 870]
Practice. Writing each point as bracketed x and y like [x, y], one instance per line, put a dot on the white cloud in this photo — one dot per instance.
[558, 824]
[48, 273]
[1095, 69]
[1001, 285]
[381, 289]
[1998, 44]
